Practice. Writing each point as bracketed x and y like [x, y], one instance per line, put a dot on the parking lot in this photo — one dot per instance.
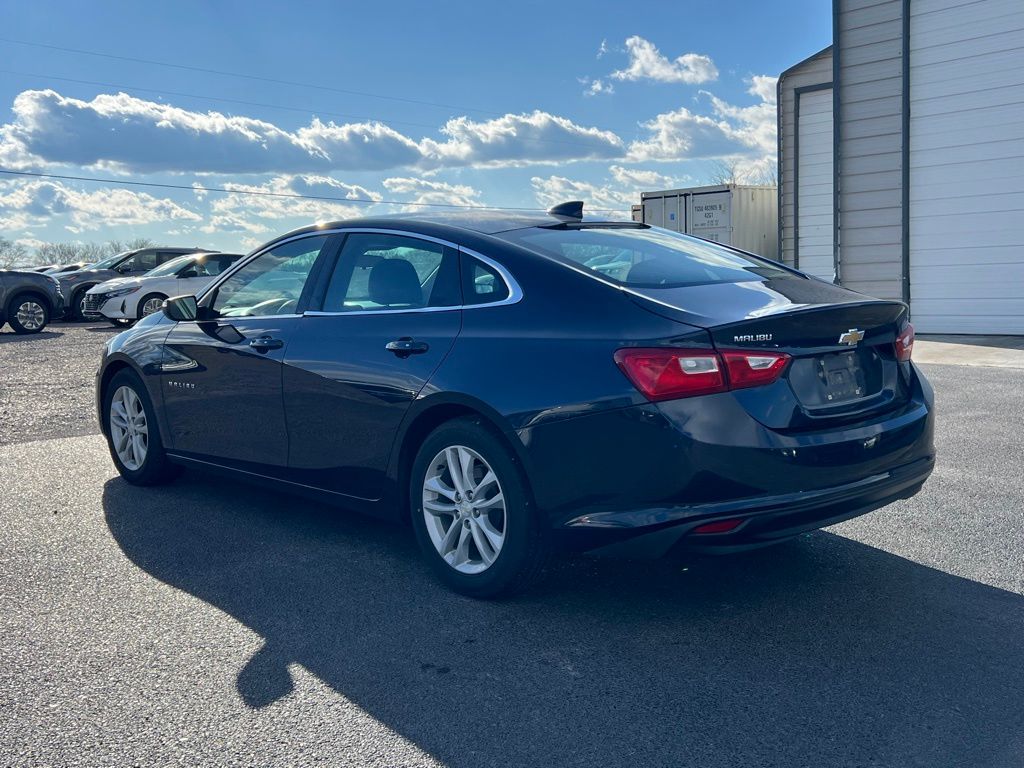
[210, 622]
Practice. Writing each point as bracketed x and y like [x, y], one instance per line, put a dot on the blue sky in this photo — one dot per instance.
[504, 104]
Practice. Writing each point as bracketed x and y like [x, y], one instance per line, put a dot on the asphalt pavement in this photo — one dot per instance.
[210, 623]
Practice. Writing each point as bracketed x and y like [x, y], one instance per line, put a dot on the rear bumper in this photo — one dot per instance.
[651, 474]
[763, 521]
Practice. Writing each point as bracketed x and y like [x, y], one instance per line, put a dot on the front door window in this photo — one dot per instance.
[272, 284]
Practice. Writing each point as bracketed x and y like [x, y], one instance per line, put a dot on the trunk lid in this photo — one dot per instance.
[843, 366]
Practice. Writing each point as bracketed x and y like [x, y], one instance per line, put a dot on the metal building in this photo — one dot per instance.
[745, 216]
[912, 122]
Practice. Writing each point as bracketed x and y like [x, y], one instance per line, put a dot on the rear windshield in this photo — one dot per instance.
[645, 257]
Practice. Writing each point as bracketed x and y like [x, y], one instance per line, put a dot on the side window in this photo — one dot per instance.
[272, 283]
[380, 272]
[217, 264]
[164, 256]
[145, 261]
[481, 283]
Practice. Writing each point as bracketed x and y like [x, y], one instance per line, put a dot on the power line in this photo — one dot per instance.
[264, 193]
[245, 76]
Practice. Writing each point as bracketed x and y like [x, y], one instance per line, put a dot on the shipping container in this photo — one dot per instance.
[745, 216]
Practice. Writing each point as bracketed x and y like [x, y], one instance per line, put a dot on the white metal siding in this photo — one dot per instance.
[814, 71]
[870, 43]
[815, 204]
[967, 166]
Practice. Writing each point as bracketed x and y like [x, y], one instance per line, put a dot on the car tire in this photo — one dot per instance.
[479, 547]
[73, 312]
[27, 313]
[133, 434]
[141, 306]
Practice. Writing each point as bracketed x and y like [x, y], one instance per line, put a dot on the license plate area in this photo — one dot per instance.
[836, 378]
[842, 377]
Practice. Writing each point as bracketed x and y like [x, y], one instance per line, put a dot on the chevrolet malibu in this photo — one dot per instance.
[514, 385]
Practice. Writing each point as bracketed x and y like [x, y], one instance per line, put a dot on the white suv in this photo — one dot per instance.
[127, 299]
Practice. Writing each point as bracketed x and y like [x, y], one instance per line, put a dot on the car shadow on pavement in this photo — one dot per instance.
[10, 336]
[822, 651]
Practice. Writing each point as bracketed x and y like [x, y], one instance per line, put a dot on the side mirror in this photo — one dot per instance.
[188, 273]
[181, 308]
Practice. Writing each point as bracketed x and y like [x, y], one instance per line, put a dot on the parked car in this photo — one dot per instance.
[29, 300]
[509, 384]
[128, 299]
[59, 269]
[77, 283]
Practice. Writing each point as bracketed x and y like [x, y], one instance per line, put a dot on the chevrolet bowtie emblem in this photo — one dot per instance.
[851, 337]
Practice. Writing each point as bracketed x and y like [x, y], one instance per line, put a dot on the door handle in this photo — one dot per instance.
[265, 344]
[406, 346]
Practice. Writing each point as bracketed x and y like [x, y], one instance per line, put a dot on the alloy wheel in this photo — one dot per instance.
[31, 315]
[151, 306]
[464, 509]
[129, 430]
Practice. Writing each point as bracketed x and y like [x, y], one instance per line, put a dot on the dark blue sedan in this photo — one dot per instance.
[513, 385]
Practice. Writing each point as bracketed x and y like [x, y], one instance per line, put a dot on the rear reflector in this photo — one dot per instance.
[665, 373]
[719, 526]
[905, 344]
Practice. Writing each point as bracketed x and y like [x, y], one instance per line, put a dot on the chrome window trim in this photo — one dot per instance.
[515, 293]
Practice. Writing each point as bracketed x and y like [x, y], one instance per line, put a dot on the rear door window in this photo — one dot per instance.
[481, 283]
[377, 272]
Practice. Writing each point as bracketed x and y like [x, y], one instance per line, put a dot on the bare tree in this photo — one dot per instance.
[11, 253]
[726, 170]
[77, 252]
[740, 170]
[119, 246]
[767, 175]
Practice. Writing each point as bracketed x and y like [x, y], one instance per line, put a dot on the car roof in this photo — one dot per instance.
[484, 221]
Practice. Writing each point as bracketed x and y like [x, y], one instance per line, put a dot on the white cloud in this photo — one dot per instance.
[755, 126]
[260, 213]
[597, 87]
[325, 186]
[434, 192]
[683, 134]
[33, 203]
[764, 87]
[640, 178]
[611, 202]
[646, 62]
[519, 140]
[602, 49]
[124, 133]
[30, 242]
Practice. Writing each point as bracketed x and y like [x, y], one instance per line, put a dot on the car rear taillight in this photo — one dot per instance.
[905, 344]
[752, 369]
[666, 374]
